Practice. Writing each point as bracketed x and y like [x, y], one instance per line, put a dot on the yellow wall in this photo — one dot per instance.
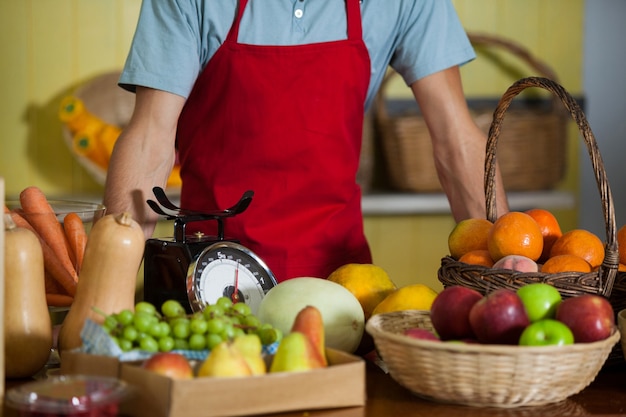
[50, 47]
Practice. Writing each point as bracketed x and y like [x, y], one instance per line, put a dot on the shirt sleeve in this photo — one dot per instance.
[165, 51]
[431, 39]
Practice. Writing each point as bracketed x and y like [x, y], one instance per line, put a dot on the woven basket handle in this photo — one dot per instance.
[476, 39]
[608, 270]
[481, 39]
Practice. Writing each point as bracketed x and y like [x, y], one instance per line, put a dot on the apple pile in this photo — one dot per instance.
[533, 315]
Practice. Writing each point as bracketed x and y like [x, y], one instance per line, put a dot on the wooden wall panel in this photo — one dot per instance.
[50, 47]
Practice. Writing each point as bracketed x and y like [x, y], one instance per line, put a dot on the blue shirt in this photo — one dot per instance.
[175, 39]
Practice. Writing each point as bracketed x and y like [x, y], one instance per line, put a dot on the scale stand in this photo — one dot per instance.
[167, 260]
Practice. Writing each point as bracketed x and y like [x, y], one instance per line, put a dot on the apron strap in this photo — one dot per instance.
[355, 31]
[233, 33]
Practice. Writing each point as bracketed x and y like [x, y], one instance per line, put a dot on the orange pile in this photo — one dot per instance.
[535, 234]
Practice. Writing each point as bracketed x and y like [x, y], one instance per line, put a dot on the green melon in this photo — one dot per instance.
[341, 311]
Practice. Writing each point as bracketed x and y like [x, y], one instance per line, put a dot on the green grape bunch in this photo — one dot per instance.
[171, 328]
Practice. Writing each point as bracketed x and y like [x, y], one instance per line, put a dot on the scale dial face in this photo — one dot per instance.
[228, 269]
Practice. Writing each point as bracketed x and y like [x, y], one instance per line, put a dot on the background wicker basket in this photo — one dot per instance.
[569, 284]
[538, 164]
[105, 99]
[484, 375]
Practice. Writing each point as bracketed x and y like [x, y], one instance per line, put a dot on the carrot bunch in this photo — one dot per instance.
[63, 245]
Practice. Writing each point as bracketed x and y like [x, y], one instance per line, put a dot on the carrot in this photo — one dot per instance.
[52, 285]
[40, 215]
[76, 236]
[59, 300]
[51, 262]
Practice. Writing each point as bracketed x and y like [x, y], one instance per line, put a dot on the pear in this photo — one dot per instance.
[309, 322]
[295, 353]
[249, 345]
[224, 361]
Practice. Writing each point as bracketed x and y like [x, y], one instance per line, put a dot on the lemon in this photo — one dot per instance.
[369, 283]
[410, 297]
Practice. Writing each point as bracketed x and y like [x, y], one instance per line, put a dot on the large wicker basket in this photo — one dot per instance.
[603, 280]
[532, 155]
[483, 375]
[102, 97]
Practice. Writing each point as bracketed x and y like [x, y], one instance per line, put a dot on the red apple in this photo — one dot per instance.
[423, 334]
[171, 364]
[449, 312]
[590, 317]
[499, 317]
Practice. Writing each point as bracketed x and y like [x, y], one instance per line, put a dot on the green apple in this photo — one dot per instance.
[540, 300]
[546, 332]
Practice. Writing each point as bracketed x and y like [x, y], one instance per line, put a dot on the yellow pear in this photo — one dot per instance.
[249, 345]
[224, 361]
[409, 297]
[309, 322]
[295, 353]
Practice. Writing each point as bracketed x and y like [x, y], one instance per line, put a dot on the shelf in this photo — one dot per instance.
[380, 204]
[393, 203]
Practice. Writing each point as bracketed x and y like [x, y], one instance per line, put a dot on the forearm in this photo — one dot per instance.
[459, 145]
[130, 179]
[143, 156]
[461, 173]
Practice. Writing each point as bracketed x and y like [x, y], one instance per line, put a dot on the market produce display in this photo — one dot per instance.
[529, 241]
[534, 315]
[369, 283]
[27, 324]
[229, 333]
[63, 243]
[344, 318]
[113, 255]
[149, 329]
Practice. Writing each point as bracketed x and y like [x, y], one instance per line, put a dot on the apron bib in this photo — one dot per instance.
[285, 122]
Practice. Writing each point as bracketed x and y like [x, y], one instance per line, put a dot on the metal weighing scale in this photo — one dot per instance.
[198, 269]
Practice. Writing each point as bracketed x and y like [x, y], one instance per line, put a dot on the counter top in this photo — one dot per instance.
[605, 396]
[396, 203]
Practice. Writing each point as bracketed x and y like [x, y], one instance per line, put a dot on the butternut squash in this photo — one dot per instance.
[27, 323]
[107, 280]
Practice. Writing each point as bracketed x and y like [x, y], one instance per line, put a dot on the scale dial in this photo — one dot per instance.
[228, 269]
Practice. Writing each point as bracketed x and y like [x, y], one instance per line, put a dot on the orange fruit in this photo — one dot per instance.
[369, 283]
[621, 267]
[581, 243]
[477, 257]
[515, 233]
[565, 263]
[550, 229]
[468, 235]
[621, 244]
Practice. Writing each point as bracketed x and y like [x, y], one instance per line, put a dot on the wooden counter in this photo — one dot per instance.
[606, 396]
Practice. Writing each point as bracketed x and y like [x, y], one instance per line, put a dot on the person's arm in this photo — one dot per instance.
[458, 144]
[143, 156]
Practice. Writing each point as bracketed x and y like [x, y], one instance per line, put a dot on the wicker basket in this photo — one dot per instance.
[105, 99]
[538, 164]
[601, 281]
[484, 375]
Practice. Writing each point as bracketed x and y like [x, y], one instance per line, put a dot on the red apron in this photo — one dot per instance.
[285, 122]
